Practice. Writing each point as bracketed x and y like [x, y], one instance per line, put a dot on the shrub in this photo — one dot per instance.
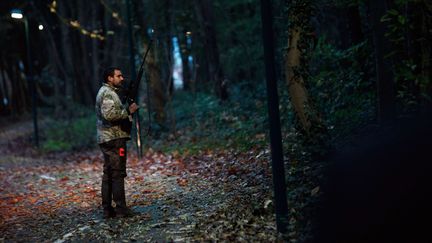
[65, 135]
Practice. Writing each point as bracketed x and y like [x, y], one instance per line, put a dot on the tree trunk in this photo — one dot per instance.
[354, 25]
[296, 67]
[95, 52]
[204, 11]
[296, 86]
[7, 88]
[384, 70]
[425, 63]
[169, 21]
[21, 92]
[3, 95]
[55, 67]
[184, 51]
[158, 99]
[85, 92]
[66, 48]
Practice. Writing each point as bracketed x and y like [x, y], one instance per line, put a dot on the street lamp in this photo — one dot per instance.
[17, 14]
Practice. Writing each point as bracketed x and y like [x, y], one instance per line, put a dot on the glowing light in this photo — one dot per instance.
[16, 14]
[41, 27]
[74, 23]
[94, 34]
[150, 31]
[53, 7]
[122, 152]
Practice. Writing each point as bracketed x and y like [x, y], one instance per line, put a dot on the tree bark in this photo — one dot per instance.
[66, 48]
[156, 87]
[55, 68]
[6, 88]
[426, 51]
[296, 64]
[384, 70]
[354, 25]
[85, 92]
[184, 51]
[95, 52]
[169, 26]
[296, 86]
[204, 11]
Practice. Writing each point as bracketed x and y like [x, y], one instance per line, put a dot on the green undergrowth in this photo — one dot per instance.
[69, 134]
[202, 122]
[195, 122]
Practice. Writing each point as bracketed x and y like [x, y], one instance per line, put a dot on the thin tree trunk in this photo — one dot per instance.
[169, 21]
[66, 49]
[384, 69]
[85, 93]
[21, 91]
[425, 64]
[156, 86]
[184, 56]
[95, 58]
[7, 88]
[354, 25]
[204, 10]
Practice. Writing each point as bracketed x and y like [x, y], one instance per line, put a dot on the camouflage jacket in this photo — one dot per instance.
[109, 113]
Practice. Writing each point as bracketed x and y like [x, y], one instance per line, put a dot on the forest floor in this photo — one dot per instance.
[55, 197]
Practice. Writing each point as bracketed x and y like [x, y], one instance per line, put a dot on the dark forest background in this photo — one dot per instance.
[341, 65]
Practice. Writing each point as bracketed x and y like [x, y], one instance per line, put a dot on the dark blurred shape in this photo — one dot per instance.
[379, 188]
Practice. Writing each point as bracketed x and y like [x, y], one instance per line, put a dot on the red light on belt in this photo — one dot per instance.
[122, 152]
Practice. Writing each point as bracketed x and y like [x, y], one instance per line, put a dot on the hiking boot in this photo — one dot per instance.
[124, 213]
[118, 193]
[109, 213]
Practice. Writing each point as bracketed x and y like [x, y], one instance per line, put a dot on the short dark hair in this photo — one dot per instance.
[108, 72]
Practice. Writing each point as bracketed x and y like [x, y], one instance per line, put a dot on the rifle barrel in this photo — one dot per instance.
[133, 86]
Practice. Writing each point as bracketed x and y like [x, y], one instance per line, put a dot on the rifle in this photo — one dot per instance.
[131, 96]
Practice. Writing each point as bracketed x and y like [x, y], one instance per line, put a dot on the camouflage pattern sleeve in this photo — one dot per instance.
[109, 109]
[112, 108]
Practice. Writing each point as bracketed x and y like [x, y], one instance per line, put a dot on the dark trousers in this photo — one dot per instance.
[114, 172]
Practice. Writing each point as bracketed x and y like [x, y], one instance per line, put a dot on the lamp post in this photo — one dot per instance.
[17, 14]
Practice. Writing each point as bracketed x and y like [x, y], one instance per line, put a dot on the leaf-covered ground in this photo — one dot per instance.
[216, 195]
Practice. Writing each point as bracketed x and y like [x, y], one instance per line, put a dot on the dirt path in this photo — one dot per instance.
[213, 196]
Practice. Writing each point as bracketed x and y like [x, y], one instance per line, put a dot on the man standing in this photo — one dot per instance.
[111, 137]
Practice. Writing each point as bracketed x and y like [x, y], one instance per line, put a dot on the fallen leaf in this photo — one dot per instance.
[315, 191]
[267, 203]
[182, 181]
